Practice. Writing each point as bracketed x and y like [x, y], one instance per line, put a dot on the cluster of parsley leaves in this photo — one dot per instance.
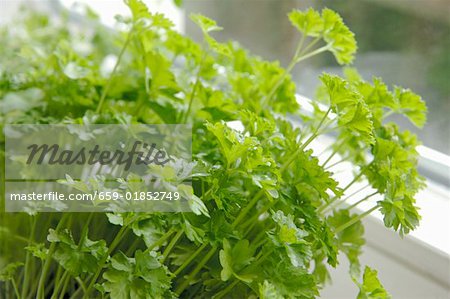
[265, 219]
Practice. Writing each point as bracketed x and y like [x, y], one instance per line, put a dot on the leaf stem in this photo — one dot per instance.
[171, 245]
[313, 53]
[361, 200]
[59, 284]
[311, 44]
[306, 143]
[111, 76]
[336, 163]
[354, 220]
[28, 260]
[16, 290]
[334, 152]
[113, 245]
[65, 285]
[337, 203]
[355, 179]
[192, 275]
[249, 206]
[194, 89]
[46, 267]
[288, 70]
[227, 289]
[190, 259]
[161, 240]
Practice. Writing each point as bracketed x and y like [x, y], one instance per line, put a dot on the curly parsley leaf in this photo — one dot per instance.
[371, 287]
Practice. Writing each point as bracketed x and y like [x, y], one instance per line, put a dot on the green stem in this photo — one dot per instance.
[337, 203]
[255, 217]
[262, 258]
[111, 76]
[361, 200]
[313, 53]
[190, 259]
[59, 285]
[80, 282]
[16, 290]
[336, 163]
[288, 70]
[171, 245]
[355, 179]
[249, 206]
[192, 275]
[310, 45]
[354, 220]
[113, 245]
[64, 289]
[226, 290]
[28, 259]
[161, 240]
[389, 113]
[133, 246]
[85, 230]
[194, 89]
[335, 151]
[81, 287]
[306, 143]
[46, 267]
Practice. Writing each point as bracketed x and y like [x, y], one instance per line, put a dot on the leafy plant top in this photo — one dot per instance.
[268, 215]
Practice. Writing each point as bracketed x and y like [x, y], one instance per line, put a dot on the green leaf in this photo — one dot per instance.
[9, 271]
[412, 106]
[349, 240]
[195, 203]
[269, 291]
[330, 27]
[234, 258]
[292, 239]
[353, 114]
[308, 22]
[75, 258]
[205, 24]
[140, 277]
[138, 9]
[339, 37]
[38, 250]
[371, 287]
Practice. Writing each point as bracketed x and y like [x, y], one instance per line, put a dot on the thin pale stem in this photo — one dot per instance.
[355, 179]
[306, 143]
[335, 151]
[310, 45]
[194, 89]
[313, 53]
[336, 163]
[361, 200]
[354, 220]
[337, 203]
[111, 76]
